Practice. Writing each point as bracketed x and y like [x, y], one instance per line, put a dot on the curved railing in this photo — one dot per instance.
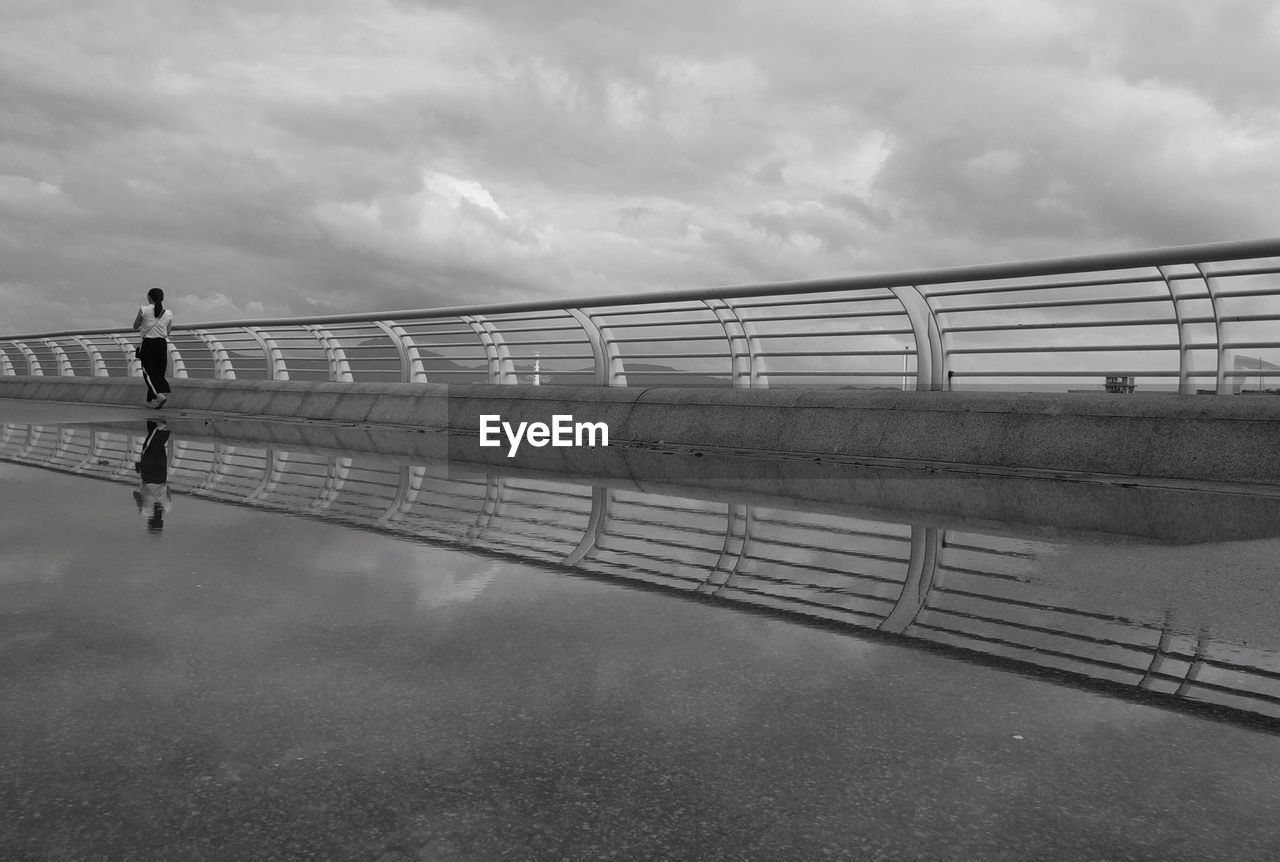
[961, 590]
[1193, 318]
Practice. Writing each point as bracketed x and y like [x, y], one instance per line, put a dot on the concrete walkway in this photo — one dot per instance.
[1215, 439]
[22, 411]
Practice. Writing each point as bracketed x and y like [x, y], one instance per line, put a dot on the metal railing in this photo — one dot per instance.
[966, 591]
[1187, 319]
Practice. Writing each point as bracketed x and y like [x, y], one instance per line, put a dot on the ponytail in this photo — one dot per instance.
[156, 295]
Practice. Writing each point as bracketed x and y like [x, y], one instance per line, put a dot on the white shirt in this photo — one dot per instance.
[152, 328]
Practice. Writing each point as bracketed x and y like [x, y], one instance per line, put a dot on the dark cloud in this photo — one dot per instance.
[285, 156]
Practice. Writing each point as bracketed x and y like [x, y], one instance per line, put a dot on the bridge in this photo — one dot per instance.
[883, 480]
[1183, 319]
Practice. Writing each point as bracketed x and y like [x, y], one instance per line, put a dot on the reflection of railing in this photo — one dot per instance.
[962, 591]
[1172, 317]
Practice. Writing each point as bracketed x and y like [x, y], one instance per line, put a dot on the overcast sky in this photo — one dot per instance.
[271, 157]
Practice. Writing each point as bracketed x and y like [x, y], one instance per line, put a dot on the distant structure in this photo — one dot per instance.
[1253, 365]
[1119, 384]
[532, 373]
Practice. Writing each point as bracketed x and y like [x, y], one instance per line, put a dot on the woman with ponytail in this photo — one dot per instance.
[154, 322]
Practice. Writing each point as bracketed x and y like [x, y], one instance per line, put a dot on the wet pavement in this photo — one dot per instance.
[319, 658]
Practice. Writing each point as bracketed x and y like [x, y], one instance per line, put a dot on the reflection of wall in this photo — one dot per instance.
[965, 591]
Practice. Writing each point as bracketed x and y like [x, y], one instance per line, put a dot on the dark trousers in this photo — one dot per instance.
[153, 466]
[154, 356]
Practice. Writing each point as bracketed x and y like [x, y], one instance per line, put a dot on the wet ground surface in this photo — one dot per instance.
[294, 670]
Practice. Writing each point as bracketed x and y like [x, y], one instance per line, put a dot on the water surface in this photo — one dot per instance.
[316, 659]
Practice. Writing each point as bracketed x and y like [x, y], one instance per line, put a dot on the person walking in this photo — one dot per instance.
[154, 322]
[152, 495]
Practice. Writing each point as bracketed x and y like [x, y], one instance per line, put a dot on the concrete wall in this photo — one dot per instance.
[1233, 439]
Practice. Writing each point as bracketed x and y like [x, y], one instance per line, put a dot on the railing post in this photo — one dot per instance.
[276, 368]
[1195, 666]
[926, 545]
[609, 367]
[334, 480]
[1184, 369]
[737, 543]
[272, 470]
[597, 526]
[222, 367]
[334, 353]
[129, 350]
[411, 368]
[217, 468]
[33, 363]
[134, 444]
[177, 450]
[91, 456]
[931, 360]
[97, 367]
[65, 436]
[501, 368]
[411, 479]
[177, 365]
[33, 437]
[1221, 385]
[746, 367]
[60, 357]
[491, 507]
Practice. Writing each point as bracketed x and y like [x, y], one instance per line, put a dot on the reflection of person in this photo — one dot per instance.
[152, 496]
[154, 322]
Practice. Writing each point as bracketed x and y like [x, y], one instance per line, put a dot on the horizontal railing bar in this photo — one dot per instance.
[776, 354]
[1188, 254]
[891, 372]
[640, 306]
[832, 315]
[710, 322]
[557, 312]
[288, 334]
[408, 327]
[513, 329]
[656, 373]
[1244, 318]
[1008, 327]
[721, 356]
[1065, 348]
[1062, 285]
[786, 302]
[843, 333]
[477, 370]
[1235, 273]
[1252, 291]
[1077, 373]
[650, 339]
[1050, 303]
[535, 342]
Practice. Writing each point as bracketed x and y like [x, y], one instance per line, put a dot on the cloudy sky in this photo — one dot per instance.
[272, 157]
